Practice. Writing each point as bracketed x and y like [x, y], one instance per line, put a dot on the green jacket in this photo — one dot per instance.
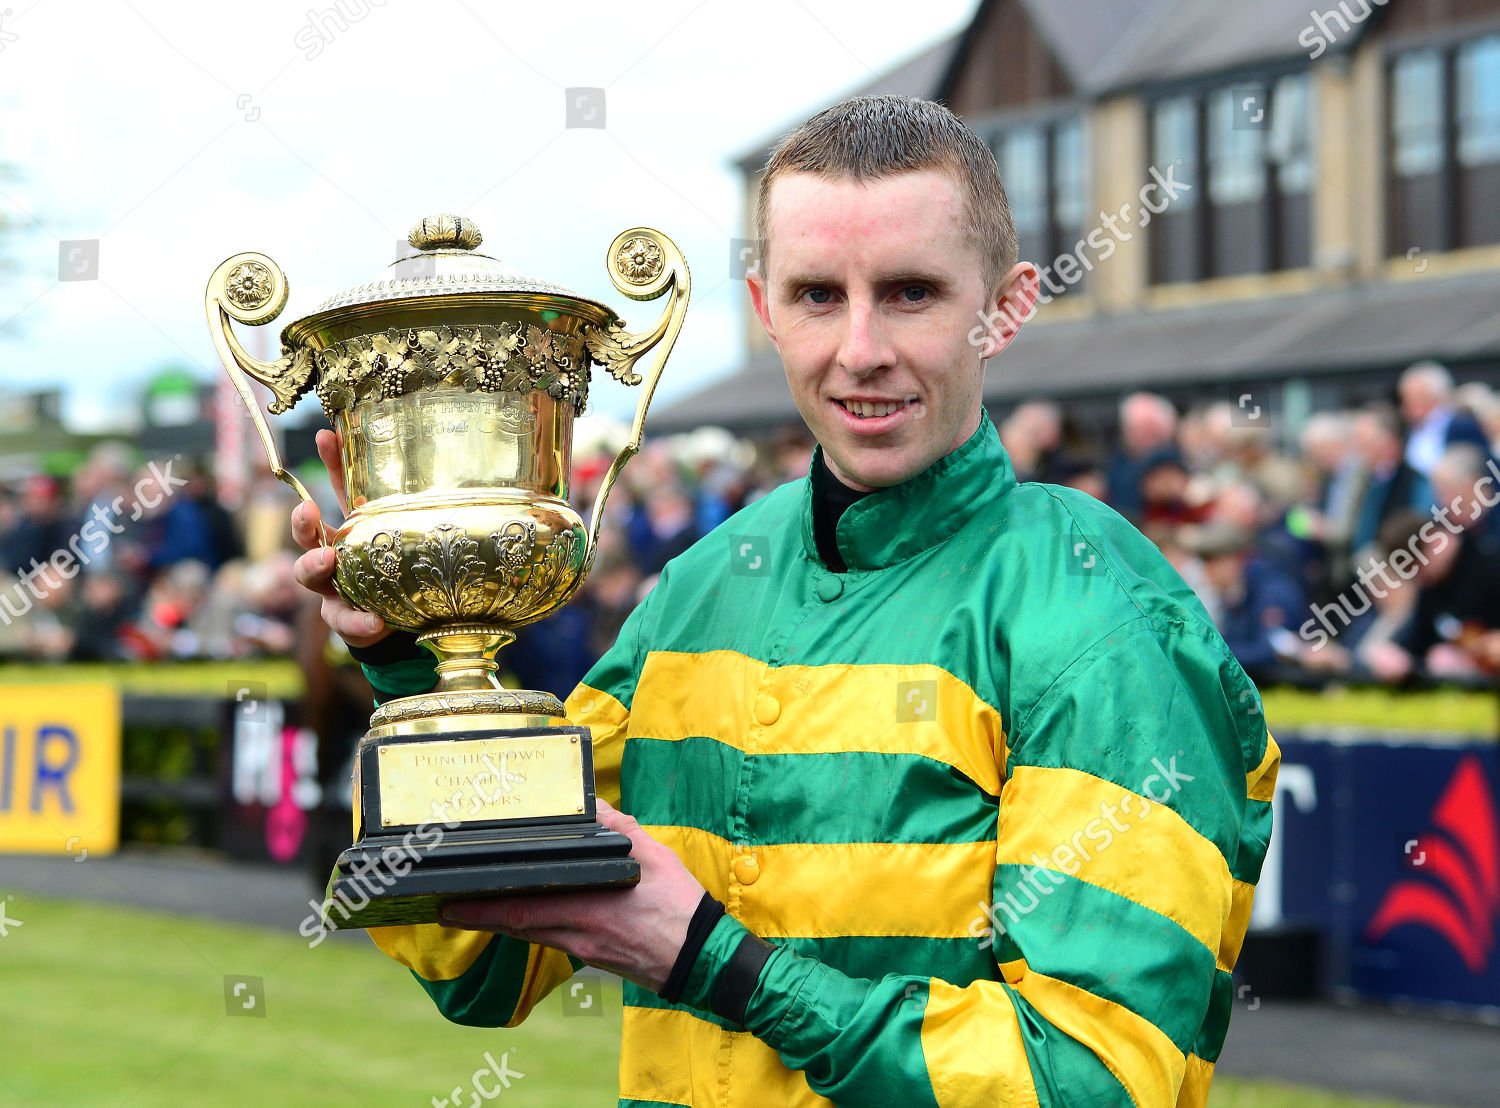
[999, 795]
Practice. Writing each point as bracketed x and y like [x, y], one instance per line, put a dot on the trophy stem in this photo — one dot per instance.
[466, 656]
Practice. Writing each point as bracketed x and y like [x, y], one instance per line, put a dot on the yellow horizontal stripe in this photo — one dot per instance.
[607, 719]
[672, 1056]
[1075, 823]
[971, 1041]
[434, 952]
[1133, 1048]
[1260, 783]
[717, 695]
[1236, 925]
[813, 890]
[1195, 1083]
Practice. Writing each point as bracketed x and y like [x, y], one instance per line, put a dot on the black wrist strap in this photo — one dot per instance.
[398, 646]
[705, 917]
[741, 975]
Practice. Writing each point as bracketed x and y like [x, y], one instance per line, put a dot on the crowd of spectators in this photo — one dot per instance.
[1367, 549]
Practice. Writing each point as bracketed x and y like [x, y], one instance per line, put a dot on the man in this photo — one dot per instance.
[1394, 484]
[1426, 391]
[1147, 424]
[982, 790]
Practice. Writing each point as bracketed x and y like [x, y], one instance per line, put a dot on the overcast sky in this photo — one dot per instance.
[178, 134]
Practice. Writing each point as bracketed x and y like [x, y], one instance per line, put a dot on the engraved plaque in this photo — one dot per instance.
[468, 780]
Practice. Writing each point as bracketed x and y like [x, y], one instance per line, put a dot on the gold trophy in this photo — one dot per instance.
[453, 382]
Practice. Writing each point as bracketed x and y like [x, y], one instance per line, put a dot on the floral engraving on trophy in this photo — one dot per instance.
[506, 358]
[448, 574]
[639, 261]
[249, 286]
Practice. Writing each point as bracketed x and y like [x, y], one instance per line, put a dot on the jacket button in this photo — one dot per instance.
[829, 588]
[746, 869]
[767, 710]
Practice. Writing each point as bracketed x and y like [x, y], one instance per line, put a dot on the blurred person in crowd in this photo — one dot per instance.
[1455, 629]
[670, 527]
[1393, 483]
[190, 525]
[1077, 472]
[1465, 489]
[1147, 423]
[100, 490]
[1258, 605]
[39, 528]
[106, 603]
[1244, 506]
[1375, 610]
[1480, 401]
[1031, 435]
[174, 597]
[1331, 508]
[1433, 423]
[46, 634]
[1164, 491]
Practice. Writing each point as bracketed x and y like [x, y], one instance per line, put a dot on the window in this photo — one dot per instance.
[1444, 140]
[1251, 148]
[1044, 168]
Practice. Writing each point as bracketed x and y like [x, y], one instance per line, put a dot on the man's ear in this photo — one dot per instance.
[1015, 303]
[761, 299]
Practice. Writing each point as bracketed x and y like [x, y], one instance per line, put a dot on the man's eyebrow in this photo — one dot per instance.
[894, 277]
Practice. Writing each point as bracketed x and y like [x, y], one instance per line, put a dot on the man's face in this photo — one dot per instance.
[871, 293]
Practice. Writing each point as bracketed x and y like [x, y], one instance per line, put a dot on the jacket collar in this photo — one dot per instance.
[893, 524]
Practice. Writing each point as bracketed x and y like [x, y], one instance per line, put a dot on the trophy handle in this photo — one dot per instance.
[643, 263]
[252, 289]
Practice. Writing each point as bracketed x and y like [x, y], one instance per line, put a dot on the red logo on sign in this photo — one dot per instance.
[1461, 856]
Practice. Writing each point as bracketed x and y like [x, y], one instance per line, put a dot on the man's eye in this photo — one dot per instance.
[818, 296]
[915, 294]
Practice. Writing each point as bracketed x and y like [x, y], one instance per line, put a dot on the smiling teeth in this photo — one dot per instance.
[869, 410]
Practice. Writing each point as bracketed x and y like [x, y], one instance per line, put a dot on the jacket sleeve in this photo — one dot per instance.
[1132, 825]
[488, 980]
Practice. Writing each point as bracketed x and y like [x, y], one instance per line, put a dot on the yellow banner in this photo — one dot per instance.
[59, 769]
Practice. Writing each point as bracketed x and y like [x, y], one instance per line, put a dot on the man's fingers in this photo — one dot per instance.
[333, 461]
[353, 626]
[307, 523]
[314, 571]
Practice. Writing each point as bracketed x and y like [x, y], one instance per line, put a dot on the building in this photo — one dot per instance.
[1270, 203]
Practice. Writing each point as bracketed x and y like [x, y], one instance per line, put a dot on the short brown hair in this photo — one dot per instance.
[870, 137]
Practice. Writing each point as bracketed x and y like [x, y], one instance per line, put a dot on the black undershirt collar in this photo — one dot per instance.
[831, 498]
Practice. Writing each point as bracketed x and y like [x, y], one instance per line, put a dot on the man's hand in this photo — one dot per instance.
[636, 933]
[314, 570]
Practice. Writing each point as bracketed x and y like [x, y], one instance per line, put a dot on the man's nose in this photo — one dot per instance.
[866, 345]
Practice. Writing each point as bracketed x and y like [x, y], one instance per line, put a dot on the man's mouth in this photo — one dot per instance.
[874, 409]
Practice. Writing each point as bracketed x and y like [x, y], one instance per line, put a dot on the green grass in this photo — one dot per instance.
[108, 1005]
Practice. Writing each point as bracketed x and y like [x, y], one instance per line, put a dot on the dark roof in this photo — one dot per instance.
[1110, 45]
[1106, 46]
[1373, 327]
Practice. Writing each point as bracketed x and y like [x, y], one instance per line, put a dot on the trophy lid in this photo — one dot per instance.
[445, 261]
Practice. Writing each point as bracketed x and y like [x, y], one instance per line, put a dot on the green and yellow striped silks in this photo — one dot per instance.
[999, 794]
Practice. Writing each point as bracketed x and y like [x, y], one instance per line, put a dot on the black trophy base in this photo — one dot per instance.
[501, 832]
[370, 888]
